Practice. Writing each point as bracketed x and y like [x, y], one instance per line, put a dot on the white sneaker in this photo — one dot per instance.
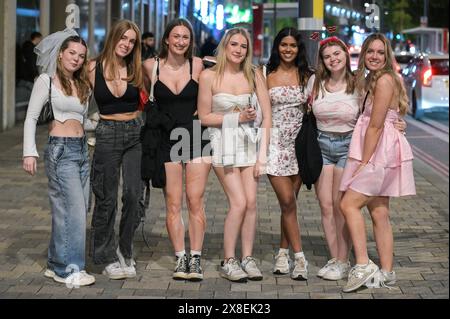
[231, 270]
[300, 271]
[325, 268]
[382, 279]
[249, 266]
[282, 264]
[337, 271]
[360, 275]
[115, 271]
[49, 273]
[128, 268]
[76, 279]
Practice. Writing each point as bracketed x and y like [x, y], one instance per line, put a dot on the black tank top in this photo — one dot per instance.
[109, 104]
[181, 106]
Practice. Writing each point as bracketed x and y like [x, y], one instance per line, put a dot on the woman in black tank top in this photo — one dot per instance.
[116, 76]
[175, 92]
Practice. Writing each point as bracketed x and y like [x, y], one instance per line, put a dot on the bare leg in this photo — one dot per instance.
[248, 229]
[232, 185]
[196, 179]
[173, 193]
[382, 230]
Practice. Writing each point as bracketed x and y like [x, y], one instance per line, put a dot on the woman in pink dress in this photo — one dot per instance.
[379, 164]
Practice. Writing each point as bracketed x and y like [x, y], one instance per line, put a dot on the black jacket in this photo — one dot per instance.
[152, 165]
[307, 150]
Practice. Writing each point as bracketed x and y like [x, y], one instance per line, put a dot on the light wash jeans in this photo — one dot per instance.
[67, 167]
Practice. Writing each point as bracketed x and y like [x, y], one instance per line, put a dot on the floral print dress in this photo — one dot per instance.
[287, 115]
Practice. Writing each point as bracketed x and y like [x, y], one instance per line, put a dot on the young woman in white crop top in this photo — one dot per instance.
[223, 97]
[66, 154]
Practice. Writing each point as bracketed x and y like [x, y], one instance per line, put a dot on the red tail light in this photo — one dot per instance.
[427, 77]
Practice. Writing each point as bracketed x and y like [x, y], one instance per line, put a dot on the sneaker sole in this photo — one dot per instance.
[244, 279]
[299, 278]
[279, 272]
[63, 281]
[180, 276]
[256, 278]
[358, 286]
[335, 278]
[195, 278]
[118, 277]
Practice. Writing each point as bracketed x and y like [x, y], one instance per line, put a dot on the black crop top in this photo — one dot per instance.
[109, 104]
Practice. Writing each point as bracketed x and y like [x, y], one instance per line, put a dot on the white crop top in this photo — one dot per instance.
[64, 108]
[336, 112]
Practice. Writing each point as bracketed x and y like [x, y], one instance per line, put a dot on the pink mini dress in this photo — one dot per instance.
[390, 169]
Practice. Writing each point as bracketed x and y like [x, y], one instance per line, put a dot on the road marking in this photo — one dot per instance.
[431, 130]
[436, 125]
[434, 163]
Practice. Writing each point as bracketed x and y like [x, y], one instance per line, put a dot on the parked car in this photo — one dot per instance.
[426, 83]
[403, 58]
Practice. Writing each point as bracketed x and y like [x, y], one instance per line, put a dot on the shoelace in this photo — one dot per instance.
[234, 264]
[181, 263]
[379, 282]
[356, 272]
[194, 264]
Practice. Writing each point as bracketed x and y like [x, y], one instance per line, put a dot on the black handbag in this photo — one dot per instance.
[307, 150]
[46, 115]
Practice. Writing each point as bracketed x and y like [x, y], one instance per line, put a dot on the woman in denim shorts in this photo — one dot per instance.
[64, 81]
[336, 106]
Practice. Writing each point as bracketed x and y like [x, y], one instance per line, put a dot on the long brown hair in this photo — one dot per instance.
[364, 84]
[133, 60]
[246, 66]
[80, 76]
[323, 74]
[172, 24]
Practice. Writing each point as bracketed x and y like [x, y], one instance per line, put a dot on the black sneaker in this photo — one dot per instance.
[181, 269]
[195, 270]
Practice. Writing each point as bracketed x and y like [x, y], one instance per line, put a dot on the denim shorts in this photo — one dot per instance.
[334, 147]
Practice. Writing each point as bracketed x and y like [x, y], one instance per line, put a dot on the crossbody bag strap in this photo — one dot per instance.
[50, 91]
[155, 68]
[364, 103]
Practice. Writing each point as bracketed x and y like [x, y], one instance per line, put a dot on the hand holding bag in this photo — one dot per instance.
[46, 115]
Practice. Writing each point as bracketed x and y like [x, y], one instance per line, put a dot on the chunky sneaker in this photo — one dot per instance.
[127, 267]
[76, 279]
[181, 269]
[231, 270]
[282, 264]
[115, 271]
[325, 268]
[359, 275]
[249, 266]
[382, 279]
[49, 273]
[337, 271]
[195, 270]
[300, 271]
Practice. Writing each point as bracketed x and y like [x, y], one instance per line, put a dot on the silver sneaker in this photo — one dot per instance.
[76, 279]
[327, 267]
[359, 275]
[337, 271]
[231, 270]
[382, 279]
[300, 271]
[181, 269]
[115, 271]
[128, 267]
[282, 264]
[249, 266]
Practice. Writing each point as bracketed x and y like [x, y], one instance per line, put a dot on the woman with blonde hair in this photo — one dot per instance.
[225, 106]
[183, 147]
[64, 84]
[379, 164]
[116, 76]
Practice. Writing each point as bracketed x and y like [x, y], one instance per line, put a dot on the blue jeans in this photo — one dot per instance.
[67, 168]
[118, 148]
[334, 147]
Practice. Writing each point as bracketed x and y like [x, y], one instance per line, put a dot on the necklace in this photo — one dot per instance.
[174, 68]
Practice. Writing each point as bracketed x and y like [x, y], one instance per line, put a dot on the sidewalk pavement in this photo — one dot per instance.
[420, 225]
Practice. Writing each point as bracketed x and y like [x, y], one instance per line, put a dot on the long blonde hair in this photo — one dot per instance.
[133, 60]
[323, 74]
[80, 76]
[246, 66]
[368, 84]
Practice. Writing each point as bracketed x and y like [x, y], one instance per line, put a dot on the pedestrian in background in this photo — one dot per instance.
[184, 147]
[29, 69]
[64, 83]
[379, 164]
[287, 77]
[116, 77]
[225, 91]
[148, 46]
